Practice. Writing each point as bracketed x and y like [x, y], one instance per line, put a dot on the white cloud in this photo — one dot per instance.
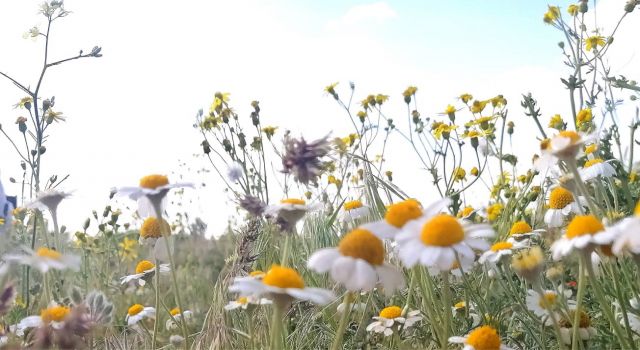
[377, 12]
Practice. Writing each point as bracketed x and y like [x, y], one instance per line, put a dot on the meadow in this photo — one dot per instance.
[326, 251]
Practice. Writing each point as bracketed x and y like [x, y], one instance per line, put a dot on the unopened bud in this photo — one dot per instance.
[86, 224]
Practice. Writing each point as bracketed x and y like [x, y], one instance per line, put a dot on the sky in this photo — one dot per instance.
[130, 113]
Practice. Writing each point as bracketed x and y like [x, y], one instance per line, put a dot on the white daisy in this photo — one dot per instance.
[176, 316]
[151, 193]
[245, 302]
[538, 303]
[49, 199]
[289, 211]
[632, 318]
[481, 338]
[397, 215]
[566, 145]
[282, 285]
[438, 240]
[138, 312]
[353, 210]
[585, 331]
[497, 251]
[584, 232]
[144, 270]
[595, 168]
[153, 229]
[522, 232]
[390, 319]
[45, 259]
[54, 315]
[561, 205]
[626, 235]
[358, 263]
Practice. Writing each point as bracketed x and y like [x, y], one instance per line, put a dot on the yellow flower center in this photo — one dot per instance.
[362, 244]
[135, 309]
[465, 212]
[591, 162]
[519, 228]
[528, 260]
[154, 181]
[151, 228]
[583, 225]
[293, 201]
[591, 148]
[501, 246]
[484, 338]
[544, 144]
[391, 312]
[283, 277]
[399, 213]
[144, 265]
[572, 135]
[548, 298]
[48, 253]
[460, 305]
[174, 311]
[256, 273]
[350, 205]
[636, 212]
[560, 198]
[54, 313]
[442, 230]
[242, 300]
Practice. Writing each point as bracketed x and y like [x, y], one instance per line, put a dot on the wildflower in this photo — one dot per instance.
[521, 231]
[282, 285]
[54, 315]
[245, 302]
[625, 234]
[49, 199]
[573, 10]
[450, 110]
[493, 211]
[397, 215]
[438, 240]
[583, 117]
[358, 263]
[408, 93]
[466, 212]
[459, 174]
[176, 316]
[593, 42]
[269, 131]
[253, 205]
[152, 229]
[24, 102]
[585, 330]
[478, 106]
[595, 168]
[303, 158]
[466, 98]
[557, 123]
[561, 204]
[354, 210]
[564, 146]
[52, 116]
[390, 319]
[128, 249]
[496, 252]
[45, 259]
[481, 338]
[543, 305]
[145, 269]
[235, 172]
[138, 312]
[551, 15]
[289, 211]
[582, 233]
[528, 263]
[151, 193]
[474, 171]
[459, 309]
[443, 130]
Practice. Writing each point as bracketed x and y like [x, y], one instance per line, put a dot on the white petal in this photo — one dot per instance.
[322, 260]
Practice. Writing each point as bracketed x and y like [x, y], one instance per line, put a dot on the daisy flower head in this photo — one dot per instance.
[151, 193]
[543, 305]
[354, 210]
[582, 233]
[138, 312]
[528, 263]
[145, 269]
[152, 229]
[596, 168]
[626, 234]
[497, 252]
[567, 144]
[45, 259]
[282, 285]
[481, 338]
[54, 316]
[289, 211]
[438, 240]
[390, 319]
[562, 203]
[176, 316]
[358, 263]
[49, 199]
[585, 330]
[246, 302]
[397, 215]
[460, 309]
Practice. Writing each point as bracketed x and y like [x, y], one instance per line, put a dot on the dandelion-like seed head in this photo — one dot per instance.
[48, 253]
[144, 265]
[350, 205]
[362, 244]
[154, 181]
[135, 309]
[560, 198]
[283, 277]
[391, 312]
[592, 162]
[484, 338]
[443, 231]
[400, 213]
[294, 201]
[584, 225]
[54, 314]
[501, 246]
[519, 228]
[152, 228]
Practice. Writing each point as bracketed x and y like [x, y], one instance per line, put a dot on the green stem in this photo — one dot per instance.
[573, 167]
[446, 301]
[576, 315]
[156, 304]
[276, 327]
[552, 315]
[337, 341]
[285, 249]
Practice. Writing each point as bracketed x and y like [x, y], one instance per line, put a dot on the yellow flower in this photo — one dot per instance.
[557, 123]
[498, 101]
[54, 314]
[443, 130]
[593, 42]
[459, 174]
[450, 110]
[528, 263]
[410, 91]
[128, 249]
[331, 89]
[590, 148]
[573, 9]
[584, 116]
[269, 131]
[551, 15]
[633, 176]
[25, 101]
[218, 99]
[493, 211]
[475, 171]
[478, 106]
[466, 98]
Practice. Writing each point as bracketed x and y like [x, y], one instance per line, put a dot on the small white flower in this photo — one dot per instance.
[235, 172]
[49, 199]
[176, 316]
[584, 232]
[496, 253]
[54, 315]
[151, 193]
[245, 302]
[144, 270]
[480, 338]
[138, 312]
[585, 331]
[595, 168]
[538, 304]
[397, 215]
[289, 211]
[390, 319]
[354, 210]
[626, 235]
[561, 205]
[45, 259]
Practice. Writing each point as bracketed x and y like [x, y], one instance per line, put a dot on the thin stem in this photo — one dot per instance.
[552, 315]
[446, 300]
[337, 341]
[576, 315]
[157, 304]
